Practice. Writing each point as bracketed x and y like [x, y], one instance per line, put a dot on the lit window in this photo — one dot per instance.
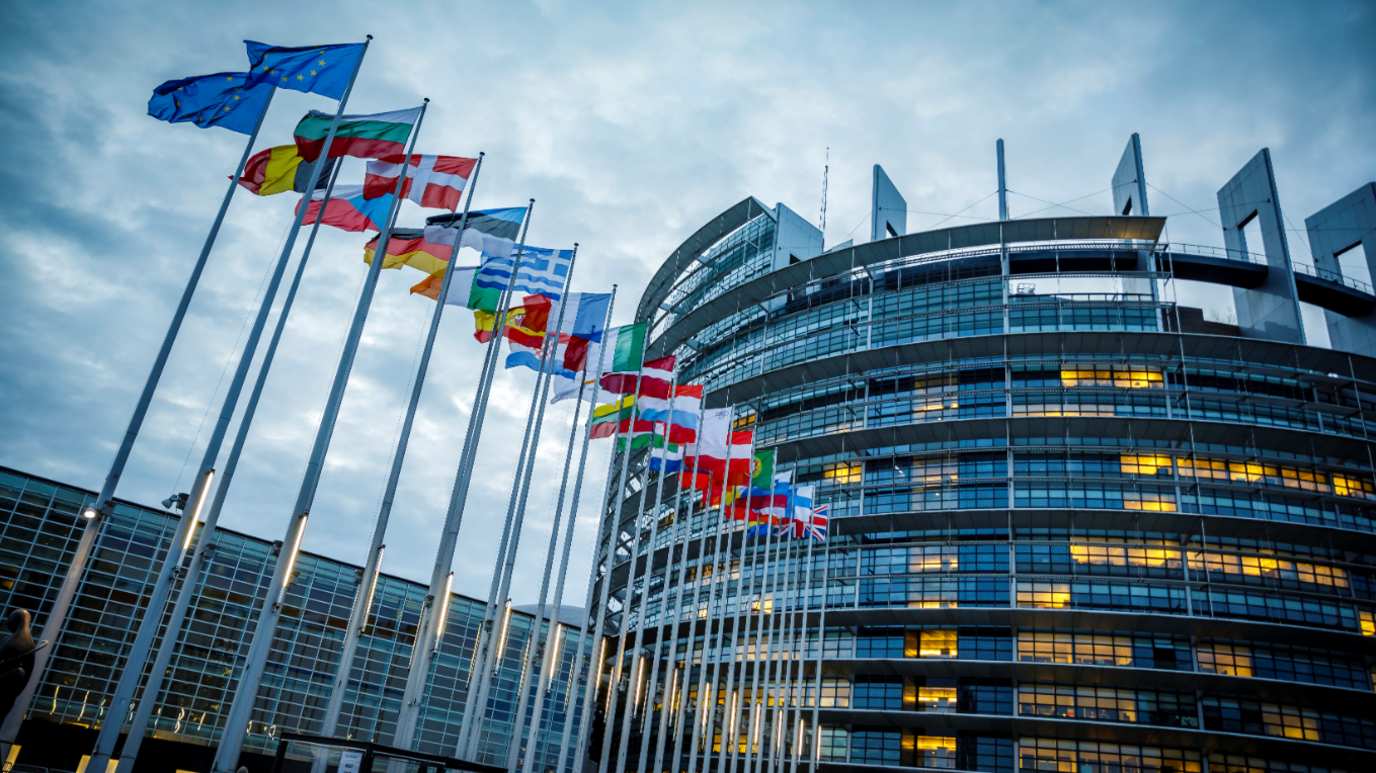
[1145, 464]
[937, 644]
[1228, 659]
[1368, 620]
[940, 699]
[935, 751]
[843, 472]
[1044, 595]
[1122, 377]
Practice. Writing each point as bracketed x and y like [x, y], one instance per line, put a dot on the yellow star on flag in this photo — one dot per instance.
[312, 72]
[322, 62]
[300, 77]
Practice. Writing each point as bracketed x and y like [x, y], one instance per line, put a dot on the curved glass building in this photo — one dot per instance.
[1074, 525]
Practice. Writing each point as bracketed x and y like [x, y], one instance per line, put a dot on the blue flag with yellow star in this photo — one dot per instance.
[221, 100]
[323, 70]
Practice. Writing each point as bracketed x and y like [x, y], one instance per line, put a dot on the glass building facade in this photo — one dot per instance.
[39, 529]
[1074, 527]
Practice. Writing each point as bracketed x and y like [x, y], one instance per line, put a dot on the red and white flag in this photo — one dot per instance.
[431, 181]
[655, 378]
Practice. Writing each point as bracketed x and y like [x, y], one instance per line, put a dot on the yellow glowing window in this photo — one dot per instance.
[1368, 621]
[1274, 568]
[936, 698]
[934, 558]
[843, 472]
[1228, 659]
[937, 644]
[1145, 464]
[1106, 555]
[1124, 378]
[1349, 486]
[1150, 501]
[1290, 722]
[1044, 595]
[1080, 649]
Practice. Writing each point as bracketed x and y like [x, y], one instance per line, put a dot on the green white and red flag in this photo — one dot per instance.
[362, 136]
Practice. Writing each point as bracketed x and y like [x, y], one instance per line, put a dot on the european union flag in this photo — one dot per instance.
[323, 70]
[221, 100]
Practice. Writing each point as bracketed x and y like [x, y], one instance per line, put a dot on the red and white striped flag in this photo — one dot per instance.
[432, 181]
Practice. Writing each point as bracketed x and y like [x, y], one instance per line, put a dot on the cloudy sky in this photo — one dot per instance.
[631, 125]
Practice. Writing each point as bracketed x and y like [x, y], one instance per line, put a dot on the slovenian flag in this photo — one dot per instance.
[347, 210]
[362, 136]
[431, 181]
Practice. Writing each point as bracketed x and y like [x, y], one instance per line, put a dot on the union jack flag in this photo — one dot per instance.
[812, 524]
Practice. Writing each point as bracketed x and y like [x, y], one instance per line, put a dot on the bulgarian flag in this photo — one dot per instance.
[431, 181]
[362, 136]
[408, 247]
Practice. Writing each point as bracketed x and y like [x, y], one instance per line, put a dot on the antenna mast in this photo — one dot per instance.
[825, 170]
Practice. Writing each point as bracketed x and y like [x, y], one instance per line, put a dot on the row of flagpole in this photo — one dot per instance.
[539, 661]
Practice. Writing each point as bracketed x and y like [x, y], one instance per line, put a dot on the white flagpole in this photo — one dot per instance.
[430, 626]
[611, 502]
[236, 725]
[707, 702]
[147, 628]
[594, 665]
[669, 622]
[648, 576]
[146, 701]
[551, 661]
[816, 750]
[800, 636]
[104, 503]
[613, 698]
[583, 633]
[470, 729]
[731, 719]
[506, 565]
[761, 649]
[363, 597]
[777, 633]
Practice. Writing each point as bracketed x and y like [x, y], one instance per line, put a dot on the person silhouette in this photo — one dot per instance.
[16, 660]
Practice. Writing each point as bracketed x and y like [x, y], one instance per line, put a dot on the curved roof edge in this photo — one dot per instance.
[717, 228]
[1255, 352]
[958, 237]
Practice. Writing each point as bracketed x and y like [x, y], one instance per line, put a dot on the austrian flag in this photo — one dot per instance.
[431, 181]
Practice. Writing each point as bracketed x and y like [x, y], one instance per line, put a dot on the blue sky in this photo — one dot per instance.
[631, 125]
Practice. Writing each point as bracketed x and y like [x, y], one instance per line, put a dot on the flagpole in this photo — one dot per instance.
[181, 540]
[583, 638]
[147, 701]
[733, 717]
[358, 615]
[648, 577]
[431, 626]
[757, 616]
[761, 660]
[548, 350]
[612, 698]
[800, 633]
[600, 619]
[551, 663]
[815, 752]
[126, 688]
[778, 604]
[469, 729]
[104, 503]
[669, 623]
[707, 706]
[678, 606]
[777, 633]
[236, 725]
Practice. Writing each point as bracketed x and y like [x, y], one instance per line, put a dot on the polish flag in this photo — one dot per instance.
[431, 181]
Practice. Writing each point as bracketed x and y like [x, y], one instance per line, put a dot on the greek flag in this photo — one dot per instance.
[542, 272]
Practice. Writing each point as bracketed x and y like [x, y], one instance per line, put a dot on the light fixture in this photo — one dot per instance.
[196, 515]
[291, 558]
[444, 610]
[89, 512]
[372, 586]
